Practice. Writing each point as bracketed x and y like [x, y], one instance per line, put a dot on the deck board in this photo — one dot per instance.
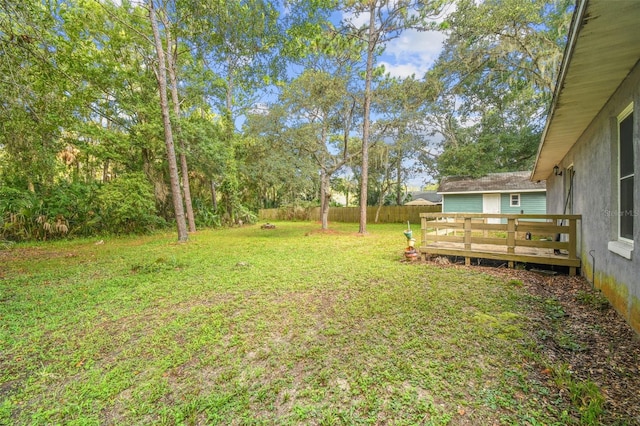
[543, 256]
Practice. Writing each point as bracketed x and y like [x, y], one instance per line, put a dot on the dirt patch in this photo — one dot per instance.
[575, 328]
[36, 253]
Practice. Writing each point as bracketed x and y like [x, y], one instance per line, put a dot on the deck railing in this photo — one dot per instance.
[528, 238]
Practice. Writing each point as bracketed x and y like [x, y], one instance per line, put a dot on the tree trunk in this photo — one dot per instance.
[161, 76]
[399, 182]
[383, 188]
[364, 179]
[173, 78]
[214, 196]
[105, 171]
[325, 197]
[380, 202]
[229, 188]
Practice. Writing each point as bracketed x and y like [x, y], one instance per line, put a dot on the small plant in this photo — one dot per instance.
[585, 395]
[594, 299]
[515, 283]
[568, 342]
[554, 309]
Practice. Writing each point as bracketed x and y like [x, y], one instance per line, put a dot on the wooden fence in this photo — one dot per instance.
[388, 214]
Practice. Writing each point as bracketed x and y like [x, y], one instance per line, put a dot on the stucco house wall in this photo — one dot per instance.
[594, 158]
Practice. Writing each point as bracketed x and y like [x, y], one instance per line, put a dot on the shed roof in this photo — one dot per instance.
[432, 196]
[493, 182]
[602, 48]
[421, 202]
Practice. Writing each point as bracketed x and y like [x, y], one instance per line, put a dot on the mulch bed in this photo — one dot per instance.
[604, 349]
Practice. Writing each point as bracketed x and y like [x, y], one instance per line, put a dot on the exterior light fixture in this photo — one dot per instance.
[556, 170]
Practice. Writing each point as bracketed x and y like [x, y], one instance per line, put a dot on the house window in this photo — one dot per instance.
[515, 200]
[624, 211]
[626, 179]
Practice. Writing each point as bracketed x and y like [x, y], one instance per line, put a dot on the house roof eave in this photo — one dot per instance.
[603, 47]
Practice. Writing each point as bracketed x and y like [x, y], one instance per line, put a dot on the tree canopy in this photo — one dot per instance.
[265, 104]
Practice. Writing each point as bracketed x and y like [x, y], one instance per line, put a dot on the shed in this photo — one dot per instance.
[506, 193]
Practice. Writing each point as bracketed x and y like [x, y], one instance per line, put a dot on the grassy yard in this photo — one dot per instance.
[283, 326]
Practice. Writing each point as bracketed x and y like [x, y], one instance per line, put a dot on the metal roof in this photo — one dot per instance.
[602, 48]
[493, 182]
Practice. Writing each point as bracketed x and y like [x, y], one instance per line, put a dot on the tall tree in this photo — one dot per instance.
[319, 107]
[385, 21]
[273, 166]
[172, 67]
[237, 40]
[495, 78]
[168, 131]
[35, 103]
[401, 126]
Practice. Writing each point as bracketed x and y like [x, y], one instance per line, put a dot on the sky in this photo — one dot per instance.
[412, 53]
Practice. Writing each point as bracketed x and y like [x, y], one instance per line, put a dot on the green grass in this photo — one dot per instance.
[252, 326]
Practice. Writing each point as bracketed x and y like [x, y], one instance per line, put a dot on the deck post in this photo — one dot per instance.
[511, 238]
[572, 244]
[437, 229]
[467, 239]
[423, 228]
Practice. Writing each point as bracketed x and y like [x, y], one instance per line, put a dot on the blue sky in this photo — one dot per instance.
[412, 53]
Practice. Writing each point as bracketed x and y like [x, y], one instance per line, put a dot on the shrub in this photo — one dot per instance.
[19, 213]
[61, 210]
[73, 205]
[127, 205]
[205, 216]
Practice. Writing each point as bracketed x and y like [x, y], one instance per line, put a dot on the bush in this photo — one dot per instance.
[19, 213]
[61, 210]
[127, 205]
[73, 205]
[205, 216]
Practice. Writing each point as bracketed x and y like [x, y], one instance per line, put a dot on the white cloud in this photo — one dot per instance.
[402, 70]
[360, 20]
[412, 53]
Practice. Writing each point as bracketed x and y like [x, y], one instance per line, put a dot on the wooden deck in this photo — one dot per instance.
[514, 238]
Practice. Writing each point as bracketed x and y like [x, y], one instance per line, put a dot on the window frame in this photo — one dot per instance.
[628, 111]
[511, 204]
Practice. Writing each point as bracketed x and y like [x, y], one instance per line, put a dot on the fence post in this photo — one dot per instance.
[423, 228]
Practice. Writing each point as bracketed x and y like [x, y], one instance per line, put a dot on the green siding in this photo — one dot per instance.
[462, 203]
[530, 203]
